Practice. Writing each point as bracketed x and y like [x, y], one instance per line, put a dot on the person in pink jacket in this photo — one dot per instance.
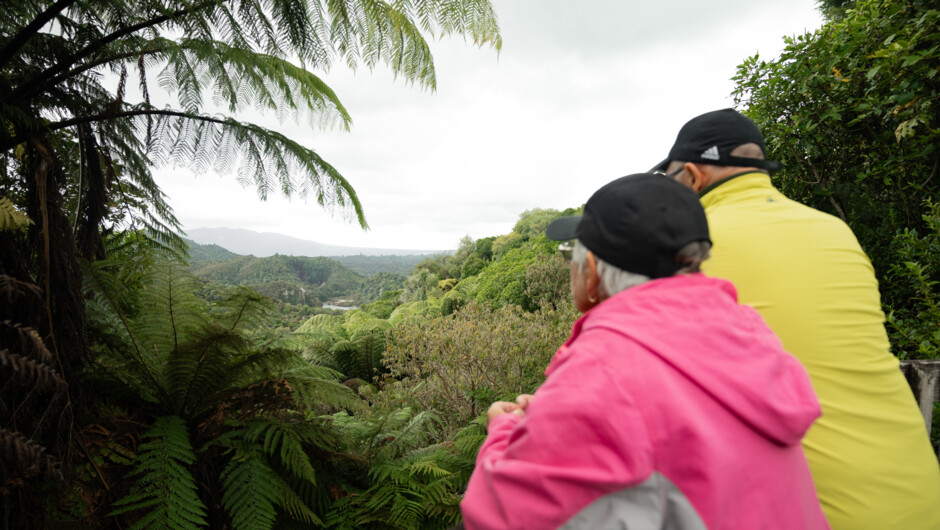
[670, 406]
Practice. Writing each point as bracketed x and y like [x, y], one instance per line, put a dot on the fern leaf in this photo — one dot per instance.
[165, 488]
[251, 490]
[11, 218]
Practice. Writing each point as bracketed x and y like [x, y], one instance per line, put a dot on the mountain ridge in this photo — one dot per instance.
[265, 244]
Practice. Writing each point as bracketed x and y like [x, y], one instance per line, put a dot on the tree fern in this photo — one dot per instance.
[78, 149]
[166, 490]
[234, 383]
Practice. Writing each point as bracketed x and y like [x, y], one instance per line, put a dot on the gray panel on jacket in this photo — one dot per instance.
[654, 504]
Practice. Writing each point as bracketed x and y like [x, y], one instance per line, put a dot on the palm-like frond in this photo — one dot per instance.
[252, 490]
[240, 53]
[166, 490]
[411, 484]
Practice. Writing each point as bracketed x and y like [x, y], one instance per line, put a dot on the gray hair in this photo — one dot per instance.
[614, 279]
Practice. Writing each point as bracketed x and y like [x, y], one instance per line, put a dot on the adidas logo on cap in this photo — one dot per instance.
[711, 153]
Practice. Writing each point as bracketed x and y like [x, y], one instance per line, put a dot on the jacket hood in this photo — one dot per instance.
[695, 324]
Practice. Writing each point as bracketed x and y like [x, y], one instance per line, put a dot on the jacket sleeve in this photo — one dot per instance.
[581, 438]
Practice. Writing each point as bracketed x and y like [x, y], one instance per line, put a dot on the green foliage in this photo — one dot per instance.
[300, 285]
[211, 253]
[504, 281]
[506, 242]
[457, 365]
[251, 490]
[375, 286]
[165, 488]
[78, 149]
[484, 248]
[371, 265]
[383, 307]
[412, 312]
[473, 266]
[914, 328]
[411, 484]
[451, 302]
[271, 472]
[221, 371]
[10, 217]
[420, 285]
[851, 111]
[548, 282]
[532, 223]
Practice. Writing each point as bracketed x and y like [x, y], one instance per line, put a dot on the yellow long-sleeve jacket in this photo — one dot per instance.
[805, 273]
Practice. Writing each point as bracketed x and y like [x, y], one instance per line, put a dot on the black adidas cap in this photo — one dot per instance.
[637, 223]
[710, 138]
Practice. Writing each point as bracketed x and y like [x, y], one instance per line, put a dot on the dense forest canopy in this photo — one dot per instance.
[145, 391]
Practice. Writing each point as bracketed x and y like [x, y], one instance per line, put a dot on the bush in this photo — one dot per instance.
[456, 366]
[914, 326]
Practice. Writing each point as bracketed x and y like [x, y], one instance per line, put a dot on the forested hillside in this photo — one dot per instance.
[300, 286]
[144, 391]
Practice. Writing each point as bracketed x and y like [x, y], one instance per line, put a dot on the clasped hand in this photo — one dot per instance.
[505, 407]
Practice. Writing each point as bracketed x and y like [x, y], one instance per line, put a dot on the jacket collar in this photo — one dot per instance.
[718, 191]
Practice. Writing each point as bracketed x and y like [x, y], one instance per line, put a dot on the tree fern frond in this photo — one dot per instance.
[170, 312]
[295, 506]
[264, 156]
[29, 372]
[324, 395]
[285, 441]
[30, 341]
[427, 468]
[331, 323]
[360, 322]
[165, 487]
[25, 457]
[244, 308]
[12, 218]
[251, 490]
[407, 511]
[201, 366]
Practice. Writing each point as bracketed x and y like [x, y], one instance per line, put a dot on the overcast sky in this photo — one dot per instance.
[581, 93]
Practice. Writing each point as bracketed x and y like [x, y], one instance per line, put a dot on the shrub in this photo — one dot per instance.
[456, 366]
[914, 326]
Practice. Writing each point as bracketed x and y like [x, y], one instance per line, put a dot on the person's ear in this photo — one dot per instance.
[593, 279]
[696, 177]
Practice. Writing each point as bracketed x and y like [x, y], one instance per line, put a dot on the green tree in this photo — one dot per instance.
[852, 112]
[210, 378]
[78, 147]
[532, 223]
[914, 328]
[504, 281]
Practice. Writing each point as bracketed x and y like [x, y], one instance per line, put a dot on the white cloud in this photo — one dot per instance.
[582, 92]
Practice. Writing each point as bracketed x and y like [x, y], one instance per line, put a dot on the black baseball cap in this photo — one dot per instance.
[637, 223]
[710, 138]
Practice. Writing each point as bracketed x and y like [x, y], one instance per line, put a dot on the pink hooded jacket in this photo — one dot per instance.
[670, 406]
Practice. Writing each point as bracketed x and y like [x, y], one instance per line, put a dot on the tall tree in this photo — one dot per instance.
[77, 150]
[852, 112]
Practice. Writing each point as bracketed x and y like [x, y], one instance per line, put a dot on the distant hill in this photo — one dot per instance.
[263, 244]
[199, 252]
[365, 265]
[297, 279]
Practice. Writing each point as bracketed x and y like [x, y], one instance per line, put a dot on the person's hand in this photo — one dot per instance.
[523, 400]
[499, 408]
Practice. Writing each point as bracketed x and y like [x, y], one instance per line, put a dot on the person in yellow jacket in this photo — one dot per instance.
[805, 273]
